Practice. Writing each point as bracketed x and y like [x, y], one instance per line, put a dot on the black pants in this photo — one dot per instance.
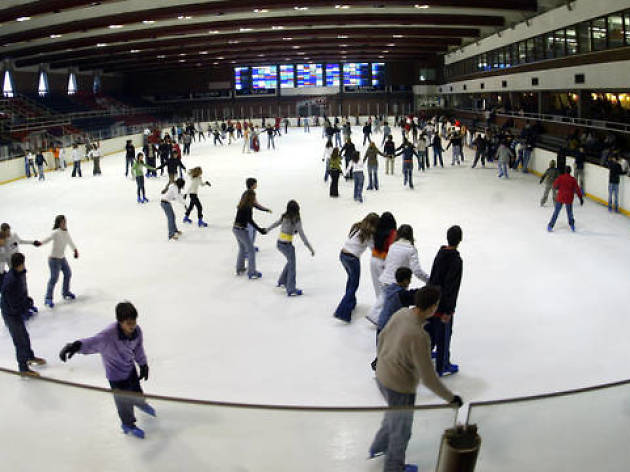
[366, 137]
[151, 162]
[440, 334]
[76, 168]
[479, 155]
[21, 340]
[128, 164]
[194, 202]
[334, 182]
[140, 186]
[163, 160]
[125, 403]
[186, 148]
[217, 138]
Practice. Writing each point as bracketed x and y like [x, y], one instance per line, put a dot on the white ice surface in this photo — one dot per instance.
[537, 312]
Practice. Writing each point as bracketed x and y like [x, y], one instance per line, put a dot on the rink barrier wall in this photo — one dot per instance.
[13, 169]
[595, 178]
[192, 401]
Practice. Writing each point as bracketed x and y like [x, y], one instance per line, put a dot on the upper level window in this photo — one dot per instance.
[615, 31]
[72, 84]
[7, 85]
[598, 30]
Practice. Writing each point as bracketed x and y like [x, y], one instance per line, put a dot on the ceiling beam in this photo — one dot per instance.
[41, 7]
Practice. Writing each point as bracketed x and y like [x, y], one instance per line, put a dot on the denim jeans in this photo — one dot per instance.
[437, 154]
[421, 158]
[556, 212]
[408, 173]
[270, 141]
[527, 154]
[352, 265]
[245, 250]
[373, 177]
[457, 151]
[76, 168]
[287, 277]
[358, 185]
[170, 217]
[395, 431]
[125, 403]
[613, 196]
[21, 340]
[140, 186]
[56, 264]
[338, 140]
[503, 172]
[327, 170]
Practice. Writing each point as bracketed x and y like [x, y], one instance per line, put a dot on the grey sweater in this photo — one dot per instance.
[404, 356]
[290, 228]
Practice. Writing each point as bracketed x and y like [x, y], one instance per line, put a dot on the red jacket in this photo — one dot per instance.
[567, 186]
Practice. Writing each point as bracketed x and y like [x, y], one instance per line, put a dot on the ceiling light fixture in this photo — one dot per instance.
[243, 30]
[55, 36]
[134, 51]
[148, 22]
[422, 7]
[182, 60]
[287, 39]
[213, 32]
[182, 17]
[260, 10]
[100, 45]
[203, 52]
[215, 63]
[295, 47]
[115, 26]
[233, 41]
[182, 54]
[161, 56]
[343, 7]
[23, 18]
[398, 35]
[300, 8]
[342, 36]
[277, 27]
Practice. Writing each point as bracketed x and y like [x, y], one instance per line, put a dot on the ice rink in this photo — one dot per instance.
[537, 312]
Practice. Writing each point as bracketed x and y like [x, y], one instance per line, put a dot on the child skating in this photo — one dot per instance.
[193, 190]
[57, 260]
[291, 224]
[121, 347]
[549, 177]
[171, 193]
[138, 172]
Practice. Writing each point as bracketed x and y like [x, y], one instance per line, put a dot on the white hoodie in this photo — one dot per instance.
[402, 254]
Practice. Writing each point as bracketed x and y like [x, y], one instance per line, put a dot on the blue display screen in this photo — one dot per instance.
[378, 74]
[333, 75]
[356, 74]
[264, 77]
[310, 75]
[287, 76]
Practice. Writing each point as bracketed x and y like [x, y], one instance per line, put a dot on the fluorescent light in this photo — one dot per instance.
[260, 10]
[261, 55]
[182, 60]
[421, 6]
[215, 63]
[182, 17]
[342, 36]
[287, 39]
[134, 51]
[233, 41]
[23, 18]
[277, 27]
[182, 54]
[55, 36]
[203, 52]
[220, 58]
[295, 47]
[161, 56]
[148, 22]
[115, 26]
[300, 8]
[242, 30]
[213, 32]
[398, 35]
[100, 45]
[342, 6]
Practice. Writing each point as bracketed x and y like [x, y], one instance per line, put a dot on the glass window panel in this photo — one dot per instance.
[483, 62]
[515, 56]
[615, 31]
[522, 52]
[501, 58]
[598, 28]
[531, 50]
[584, 37]
[558, 43]
[572, 44]
[494, 59]
[626, 18]
[539, 49]
[548, 45]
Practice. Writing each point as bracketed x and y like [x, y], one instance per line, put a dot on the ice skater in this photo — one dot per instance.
[172, 163]
[95, 154]
[567, 186]
[390, 154]
[504, 153]
[614, 171]
[371, 156]
[16, 306]
[549, 177]
[76, 161]
[328, 150]
[383, 238]
[130, 153]
[404, 361]
[121, 345]
[367, 132]
[360, 237]
[40, 160]
[171, 193]
[446, 274]
[437, 150]
[291, 224]
[252, 184]
[246, 250]
[334, 169]
[408, 151]
[193, 190]
[57, 260]
[355, 169]
[137, 170]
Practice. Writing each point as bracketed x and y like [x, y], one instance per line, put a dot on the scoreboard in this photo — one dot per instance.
[356, 74]
[310, 75]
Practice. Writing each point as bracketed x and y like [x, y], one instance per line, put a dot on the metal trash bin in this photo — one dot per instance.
[459, 449]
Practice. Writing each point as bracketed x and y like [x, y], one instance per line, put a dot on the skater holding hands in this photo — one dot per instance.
[171, 193]
[246, 249]
[121, 347]
[57, 260]
[291, 224]
[193, 189]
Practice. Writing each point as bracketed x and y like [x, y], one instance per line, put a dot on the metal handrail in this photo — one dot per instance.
[193, 401]
[543, 396]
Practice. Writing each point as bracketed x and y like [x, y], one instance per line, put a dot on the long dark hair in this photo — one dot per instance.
[293, 212]
[405, 232]
[386, 224]
[58, 220]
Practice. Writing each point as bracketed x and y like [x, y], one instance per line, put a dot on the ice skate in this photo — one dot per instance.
[240, 271]
[36, 361]
[202, 224]
[29, 373]
[148, 409]
[450, 370]
[139, 200]
[549, 228]
[572, 226]
[69, 296]
[137, 432]
[295, 293]
[255, 275]
[411, 468]
[187, 220]
[49, 303]
[145, 200]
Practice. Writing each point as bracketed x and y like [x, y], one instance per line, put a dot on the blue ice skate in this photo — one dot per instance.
[148, 409]
[49, 303]
[255, 275]
[202, 224]
[295, 293]
[145, 200]
[137, 432]
[449, 370]
[139, 200]
[69, 296]
[411, 468]
[187, 220]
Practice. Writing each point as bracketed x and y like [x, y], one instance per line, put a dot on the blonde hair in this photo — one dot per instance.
[195, 172]
[366, 227]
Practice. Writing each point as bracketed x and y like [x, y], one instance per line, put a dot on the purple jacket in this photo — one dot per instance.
[117, 350]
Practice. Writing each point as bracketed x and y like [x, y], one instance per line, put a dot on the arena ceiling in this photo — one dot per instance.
[142, 35]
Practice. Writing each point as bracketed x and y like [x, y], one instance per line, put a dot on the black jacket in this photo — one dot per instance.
[446, 273]
[40, 160]
[171, 164]
[131, 151]
[389, 148]
[15, 299]
[615, 172]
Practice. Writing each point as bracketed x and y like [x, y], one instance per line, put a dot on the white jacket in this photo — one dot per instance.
[402, 254]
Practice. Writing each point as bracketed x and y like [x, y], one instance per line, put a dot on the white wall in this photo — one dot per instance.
[596, 177]
[607, 75]
[14, 168]
[309, 91]
[550, 21]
